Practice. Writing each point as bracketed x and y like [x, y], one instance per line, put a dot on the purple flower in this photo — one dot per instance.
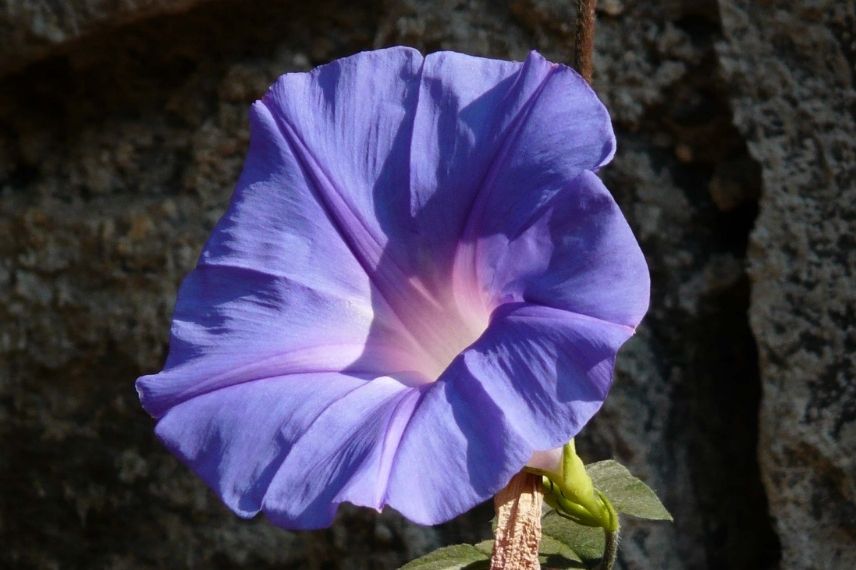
[418, 284]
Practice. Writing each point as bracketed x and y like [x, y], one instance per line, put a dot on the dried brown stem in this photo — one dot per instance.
[585, 38]
[518, 524]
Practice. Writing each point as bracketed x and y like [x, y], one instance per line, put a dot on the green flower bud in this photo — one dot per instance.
[573, 495]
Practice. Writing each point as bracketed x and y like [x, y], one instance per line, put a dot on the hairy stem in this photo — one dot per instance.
[610, 550]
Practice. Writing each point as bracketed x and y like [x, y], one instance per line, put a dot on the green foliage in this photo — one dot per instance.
[564, 543]
[457, 557]
[627, 494]
[568, 544]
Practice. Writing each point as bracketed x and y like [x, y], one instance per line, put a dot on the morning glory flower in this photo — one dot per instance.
[419, 287]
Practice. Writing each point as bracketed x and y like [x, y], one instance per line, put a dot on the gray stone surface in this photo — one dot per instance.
[794, 96]
[120, 145]
[34, 29]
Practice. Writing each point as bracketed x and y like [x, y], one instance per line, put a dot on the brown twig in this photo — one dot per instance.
[518, 524]
[585, 38]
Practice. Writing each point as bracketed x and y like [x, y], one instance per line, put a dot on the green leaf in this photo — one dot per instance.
[457, 557]
[556, 554]
[566, 544]
[627, 494]
[486, 547]
[582, 544]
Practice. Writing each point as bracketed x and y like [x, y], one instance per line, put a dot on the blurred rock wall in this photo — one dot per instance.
[793, 85]
[122, 131]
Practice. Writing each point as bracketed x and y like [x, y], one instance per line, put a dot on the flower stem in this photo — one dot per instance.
[610, 550]
[584, 38]
[518, 523]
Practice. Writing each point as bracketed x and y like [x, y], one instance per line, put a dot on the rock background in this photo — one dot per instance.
[122, 131]
[799, 118]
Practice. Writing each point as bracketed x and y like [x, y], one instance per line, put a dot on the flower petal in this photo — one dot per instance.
[349, 124]
[286, 283]
[494, 140]
[530, 383]
[297, 446]
[576, 253]
[345, 455]
[388, 204]
[548, 369]
[549, 460]
[275, 225]
[235, 325]
[237, 437]
[458, 450]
